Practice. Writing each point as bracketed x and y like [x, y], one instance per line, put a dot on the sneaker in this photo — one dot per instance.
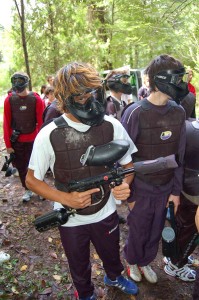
[184, 273]
[125, 285]
[134, 272]
[15, 172]
[166, 260]
[88, 298]
[149, 274]
[192, 261]
[26, 197]
[4, 257]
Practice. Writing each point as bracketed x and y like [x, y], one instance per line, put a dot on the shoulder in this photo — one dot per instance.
[37, 96]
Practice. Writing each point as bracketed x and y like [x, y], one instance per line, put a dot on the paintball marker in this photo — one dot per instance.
[107, 155]
[8, 170]
[169, 246]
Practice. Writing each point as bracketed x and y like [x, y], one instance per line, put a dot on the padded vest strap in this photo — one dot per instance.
[60, 122]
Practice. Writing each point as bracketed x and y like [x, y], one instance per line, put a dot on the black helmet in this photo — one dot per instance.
[119, 82]
[19, 81]
[92, 112]
[172, 83]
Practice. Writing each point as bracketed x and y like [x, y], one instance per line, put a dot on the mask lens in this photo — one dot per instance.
[18, 80]
[124, 79]
[178, 78]
[82, 96]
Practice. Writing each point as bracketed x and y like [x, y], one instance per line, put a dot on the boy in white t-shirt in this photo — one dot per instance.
[59, 145]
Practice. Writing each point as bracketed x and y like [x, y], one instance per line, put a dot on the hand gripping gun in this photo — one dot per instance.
[107, 155]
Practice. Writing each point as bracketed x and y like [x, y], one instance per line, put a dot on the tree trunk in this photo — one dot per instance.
[23, 38]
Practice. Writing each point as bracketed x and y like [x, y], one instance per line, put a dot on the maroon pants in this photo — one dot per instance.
[76, 240]
[23, 152]
[186, 231]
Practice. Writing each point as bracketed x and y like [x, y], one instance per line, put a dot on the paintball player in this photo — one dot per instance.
[186, 231]
[196, 286]
[156, 124]
[59, 145]
[21, 122]
[117, 82]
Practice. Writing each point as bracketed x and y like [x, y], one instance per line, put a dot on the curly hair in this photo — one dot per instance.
[74, 78]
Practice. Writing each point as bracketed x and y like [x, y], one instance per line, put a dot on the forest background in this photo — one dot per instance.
[47, 34]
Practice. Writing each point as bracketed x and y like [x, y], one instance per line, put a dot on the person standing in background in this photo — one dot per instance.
[156, 124]
[22, 120]
[50, 79]
[144, 91]
[192, 90]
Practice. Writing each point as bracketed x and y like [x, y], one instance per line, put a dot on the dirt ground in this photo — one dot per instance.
[38, 268]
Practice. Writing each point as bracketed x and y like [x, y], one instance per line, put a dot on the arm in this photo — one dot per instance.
[39, 111]
[7, 130]
[73, 199]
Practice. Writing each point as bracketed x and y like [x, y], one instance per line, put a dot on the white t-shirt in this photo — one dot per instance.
[43, 157]
[126, 98]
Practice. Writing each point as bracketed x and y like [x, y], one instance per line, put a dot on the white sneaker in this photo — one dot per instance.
[4, 257]
[192, 261]
[149, 274]
[26, 197]
[134, 273]
[15, 172]
[184, 273]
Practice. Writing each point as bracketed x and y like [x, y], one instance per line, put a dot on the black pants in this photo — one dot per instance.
[186, 231]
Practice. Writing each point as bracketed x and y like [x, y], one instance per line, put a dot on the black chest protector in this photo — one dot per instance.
[158, 137]
[191, 174]
[69, 145]
[23, 111]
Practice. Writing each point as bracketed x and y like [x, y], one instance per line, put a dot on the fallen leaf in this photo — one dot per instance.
[57, 277]
[24, 268]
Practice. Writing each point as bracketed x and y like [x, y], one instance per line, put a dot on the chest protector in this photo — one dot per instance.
[69, 145]
[114, 107]
[23, 111]
[191, 173]
[158, 137]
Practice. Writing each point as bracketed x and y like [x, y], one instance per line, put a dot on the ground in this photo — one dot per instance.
[38, 268]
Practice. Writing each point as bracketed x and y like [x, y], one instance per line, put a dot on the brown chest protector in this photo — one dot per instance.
[69, 145]
[23, 111]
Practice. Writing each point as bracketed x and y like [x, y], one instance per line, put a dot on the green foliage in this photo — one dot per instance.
[106, 33]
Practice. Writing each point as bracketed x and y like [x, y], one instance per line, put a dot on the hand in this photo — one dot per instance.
[176, 202]
[121, 192]
[79, 200]
[10, 150]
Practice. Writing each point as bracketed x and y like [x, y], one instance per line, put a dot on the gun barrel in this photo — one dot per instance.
[153, 166]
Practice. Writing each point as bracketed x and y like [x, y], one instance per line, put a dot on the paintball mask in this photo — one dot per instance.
[120, 83]
[173, 83]
[19, 82]
[90, 112]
